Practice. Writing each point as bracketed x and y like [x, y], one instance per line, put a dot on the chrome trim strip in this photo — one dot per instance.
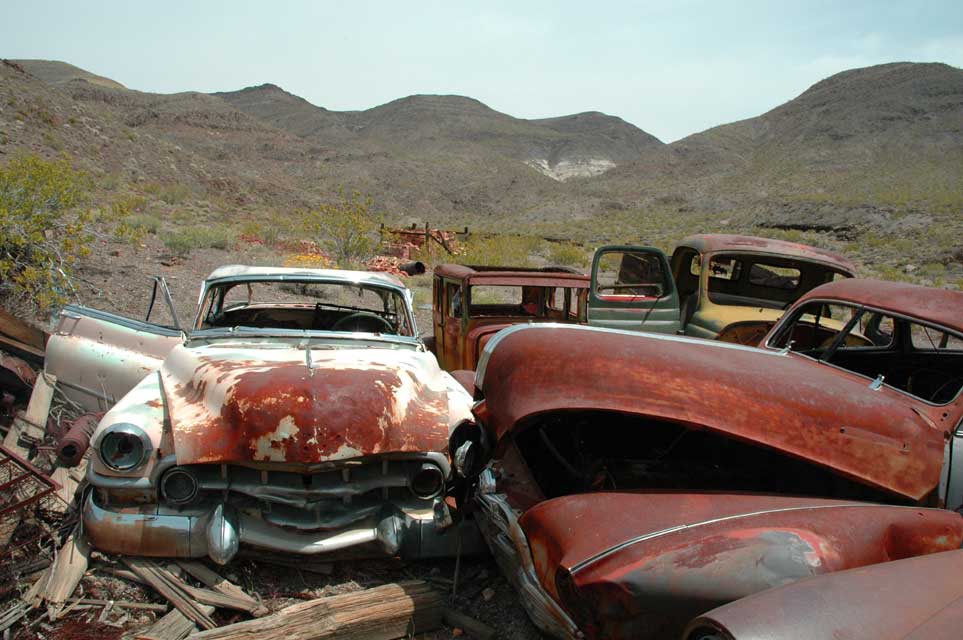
[656, 534]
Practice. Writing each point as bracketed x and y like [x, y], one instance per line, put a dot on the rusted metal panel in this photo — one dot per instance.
[632, 565]
[717, 242]
[817, 413]
[98, 357]
[281, 405]
[16, 376]
[912, 599]
[930, 304]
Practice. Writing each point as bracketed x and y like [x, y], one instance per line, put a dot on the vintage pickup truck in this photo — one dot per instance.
[688, 473]
[714, 286]
[298, 412]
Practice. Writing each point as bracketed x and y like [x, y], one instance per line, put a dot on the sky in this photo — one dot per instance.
[670, 68]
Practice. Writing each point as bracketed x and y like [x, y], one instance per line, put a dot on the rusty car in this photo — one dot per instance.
[712, 283]
[692, 473]
[299, 412]
[470, 304]
[917, 598]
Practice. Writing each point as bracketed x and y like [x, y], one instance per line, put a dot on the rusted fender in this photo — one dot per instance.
[912, 599]
[641, 565]
[790, 404]
[240, 405]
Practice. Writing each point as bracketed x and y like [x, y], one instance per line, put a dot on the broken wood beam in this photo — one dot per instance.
[222, 585]
[33, 424]
[173, 626]
[67, 569]
[381, 613]
[146, 606]
[172, 588]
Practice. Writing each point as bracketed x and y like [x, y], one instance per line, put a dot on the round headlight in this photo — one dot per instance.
[179, 486]
[427, 482]
[124, 447]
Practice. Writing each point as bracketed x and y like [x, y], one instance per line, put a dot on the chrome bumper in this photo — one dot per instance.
[219, 531]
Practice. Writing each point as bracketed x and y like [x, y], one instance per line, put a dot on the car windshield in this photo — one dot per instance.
[919, 359]
[771, 282]
[307, 306]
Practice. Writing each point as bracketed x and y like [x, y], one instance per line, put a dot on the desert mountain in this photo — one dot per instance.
[886, 133]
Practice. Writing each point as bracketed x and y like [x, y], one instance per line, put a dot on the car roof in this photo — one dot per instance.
[514, 276]
[241, 272]
[714, 242]
[941, 307]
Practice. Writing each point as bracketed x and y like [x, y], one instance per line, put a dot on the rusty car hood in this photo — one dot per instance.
[231, 404]
[641, 565]
[912, 599]
[782, 401]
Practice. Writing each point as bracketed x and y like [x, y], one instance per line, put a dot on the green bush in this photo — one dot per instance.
[145, 222]
[505, 251]
[565, 254]
[346, 228]
[44, 230]
[182, 240]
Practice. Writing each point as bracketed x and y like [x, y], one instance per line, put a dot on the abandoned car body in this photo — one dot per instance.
[471, 304]
[713, 282]
[301, 413]
[911, 599]
[595, 503]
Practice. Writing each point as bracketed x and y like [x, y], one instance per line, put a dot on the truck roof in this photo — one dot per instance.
[514, 276]
[716, 242]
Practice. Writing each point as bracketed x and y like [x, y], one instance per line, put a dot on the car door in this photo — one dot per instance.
[632, 289]
[98, 356]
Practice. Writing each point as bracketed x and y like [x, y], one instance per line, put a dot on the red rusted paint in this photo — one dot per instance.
[721, 242]
[644, 564]
[813, 412]
[930, 304]
[913, 599]
[243, 411]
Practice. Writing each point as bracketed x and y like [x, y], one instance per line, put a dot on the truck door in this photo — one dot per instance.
[98, 356]
[632, 289]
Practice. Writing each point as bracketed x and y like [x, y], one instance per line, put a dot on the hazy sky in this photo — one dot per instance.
[671, 68]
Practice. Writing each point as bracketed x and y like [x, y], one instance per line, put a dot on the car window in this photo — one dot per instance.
[767, 275]
[630, 274]
[454, 300]
[921, 360]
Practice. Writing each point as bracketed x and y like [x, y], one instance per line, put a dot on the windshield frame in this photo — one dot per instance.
[403, 292]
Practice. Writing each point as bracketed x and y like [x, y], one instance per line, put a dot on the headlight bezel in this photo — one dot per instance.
[118, 436]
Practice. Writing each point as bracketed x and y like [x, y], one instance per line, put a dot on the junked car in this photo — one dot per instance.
[638, 480]
[473, 303]
[299, 412]
[713, 283]
[911, 599]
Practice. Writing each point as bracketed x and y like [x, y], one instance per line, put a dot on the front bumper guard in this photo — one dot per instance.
[219, 532]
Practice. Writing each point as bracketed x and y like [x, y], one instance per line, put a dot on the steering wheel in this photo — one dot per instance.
[363, 321]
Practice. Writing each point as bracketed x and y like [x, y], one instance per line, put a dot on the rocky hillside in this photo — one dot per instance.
[860, 140]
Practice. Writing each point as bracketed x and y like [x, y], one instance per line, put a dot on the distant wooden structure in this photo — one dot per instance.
[402, 242]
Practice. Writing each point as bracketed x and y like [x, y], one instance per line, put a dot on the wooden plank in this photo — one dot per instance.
[67, 569]
[68, 481]
[172, 588]
[33, 424]
[382, 613]
[21, 334]
[173, 626]
[144, 606]
[217, 582]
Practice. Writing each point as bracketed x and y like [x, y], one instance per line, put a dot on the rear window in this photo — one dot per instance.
[767, 275]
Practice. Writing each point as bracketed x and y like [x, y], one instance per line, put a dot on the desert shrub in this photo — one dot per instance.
[145, 222]
[182, 240]
[269, 234]
[566, 254]
[44, 230]
[346, 229]
[514, 251]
